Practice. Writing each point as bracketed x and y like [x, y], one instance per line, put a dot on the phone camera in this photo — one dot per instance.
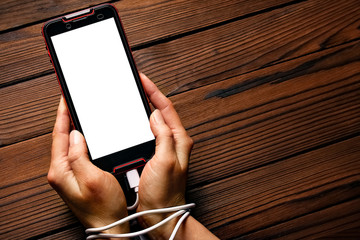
[100, 16]
[68, 26]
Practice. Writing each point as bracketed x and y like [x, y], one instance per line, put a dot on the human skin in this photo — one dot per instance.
[163, 180]
[95, 196]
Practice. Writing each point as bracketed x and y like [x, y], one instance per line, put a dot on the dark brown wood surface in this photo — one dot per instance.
[268, 90]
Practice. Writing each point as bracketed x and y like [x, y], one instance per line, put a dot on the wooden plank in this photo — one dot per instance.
[25, 161]
[259, 120]
[156, 19]
[40, 211]
[245, 203]
[323, 223]
[144, 22]
[77, 232]
[149, 21]
[265, 116]
[17, 13]
[286, 190]
[353, 233]
[229, 50]
[38, 90]
[333, 82]
[249, 44]
[28, 109]
[316, 222]
[244, 122]
[28, 204]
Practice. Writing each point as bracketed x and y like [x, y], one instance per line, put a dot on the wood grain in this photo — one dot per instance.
[246, 45]
[17, 13]
[353, 233]
[155, 19]
[150, 21]
[77, 232]
[31, 107]
[323, 224]
[313, 114]
[47, 89]
[270, 195]
[280, 116]
[256, 124]
[144, 22]
[26, 198]
[279, 192]
[269, 91]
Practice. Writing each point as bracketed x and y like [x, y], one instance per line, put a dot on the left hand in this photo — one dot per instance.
[93, 195]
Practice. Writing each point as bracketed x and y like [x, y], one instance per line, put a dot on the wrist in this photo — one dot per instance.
[162, 232]
[189, 229]
[123, 228]
[119, 229]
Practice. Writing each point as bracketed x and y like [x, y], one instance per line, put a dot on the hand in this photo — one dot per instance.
[93, 195]
[163, 180]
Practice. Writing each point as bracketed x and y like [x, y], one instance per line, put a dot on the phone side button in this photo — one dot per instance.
[49, 57]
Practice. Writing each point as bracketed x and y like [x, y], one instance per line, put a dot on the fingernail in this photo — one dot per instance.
[74, 138]
[158, 118]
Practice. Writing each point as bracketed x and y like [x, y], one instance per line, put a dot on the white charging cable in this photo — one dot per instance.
[134, 179]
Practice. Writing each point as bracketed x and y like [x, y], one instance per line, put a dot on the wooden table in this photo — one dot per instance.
[269, 91]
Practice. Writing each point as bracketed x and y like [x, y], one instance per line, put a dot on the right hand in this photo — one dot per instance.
[163, 180]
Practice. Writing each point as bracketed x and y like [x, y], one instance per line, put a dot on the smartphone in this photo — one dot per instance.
[101, 86]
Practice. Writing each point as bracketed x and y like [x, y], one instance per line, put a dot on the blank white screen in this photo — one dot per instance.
[102, 87]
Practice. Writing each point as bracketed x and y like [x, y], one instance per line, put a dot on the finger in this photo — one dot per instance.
[78, 154]
[165, 154]
[60, 136]
[160, 101]
[60, 146]
[84, 171]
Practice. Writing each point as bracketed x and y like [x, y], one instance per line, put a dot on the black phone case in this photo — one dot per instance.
[124, 160]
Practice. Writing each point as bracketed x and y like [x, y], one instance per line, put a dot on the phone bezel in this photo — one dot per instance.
[58, 26]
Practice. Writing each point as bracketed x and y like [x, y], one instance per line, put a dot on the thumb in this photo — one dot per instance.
[78, 154]
[165, 148]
